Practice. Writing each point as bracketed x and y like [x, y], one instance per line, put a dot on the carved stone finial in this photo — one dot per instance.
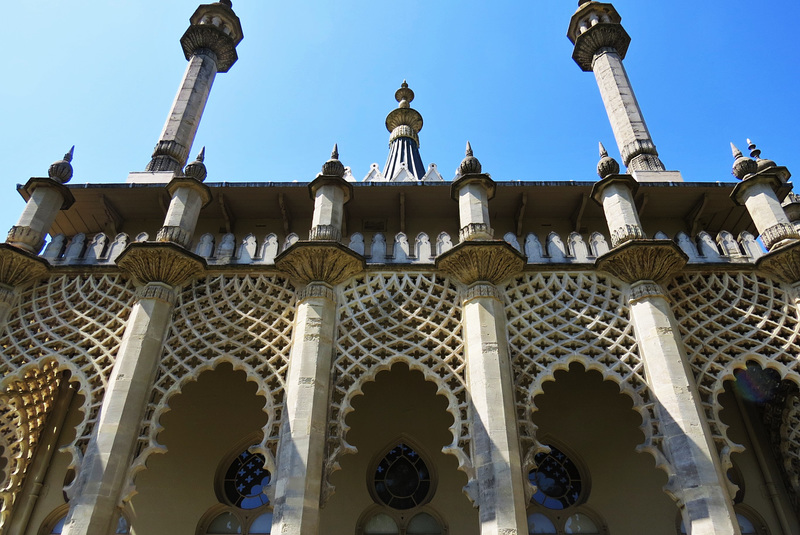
[607, 166]
[61, 171]
[470, 164]
[742, 166]
[333, 167]
[197, 169]
[755, 153]
[226, 3]
[404, 95]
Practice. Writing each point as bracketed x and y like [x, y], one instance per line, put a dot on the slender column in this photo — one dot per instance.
[210, 46]
[700, 486]
[320, 263]
[600, 46]
[189, 196]
[301, 453]
[94, 509]
[480, 263]
[615, 194]
[496, 452]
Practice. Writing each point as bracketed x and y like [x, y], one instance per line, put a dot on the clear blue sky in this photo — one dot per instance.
[102, 75]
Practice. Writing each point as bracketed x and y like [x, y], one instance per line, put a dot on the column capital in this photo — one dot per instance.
[320, 261]
[593, 27]
[481, 261]
[782, 262]
[644, 289]
[167, 263]
[214, 27]
[643, 260]
[481, 289]
[18, 267]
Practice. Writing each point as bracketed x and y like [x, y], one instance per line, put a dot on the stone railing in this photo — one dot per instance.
[553, 249]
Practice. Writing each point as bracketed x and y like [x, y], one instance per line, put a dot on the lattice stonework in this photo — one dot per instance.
[242, 320]
[727, 319]
[557, 319]
[386, 318]
[72, 323]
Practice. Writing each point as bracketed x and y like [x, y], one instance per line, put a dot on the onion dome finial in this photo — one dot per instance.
[742, 166]
[61, 171]
[755, 153]
[334, 167]
[470, 164]
[607, 165]
[197, 169]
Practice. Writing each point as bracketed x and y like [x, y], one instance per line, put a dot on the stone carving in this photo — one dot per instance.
[316, 289]
[117, 246]
[252, 331]
[728, 244]
[599, 244]
[175, 235]
[443, 243]
[161, 262]
[577, 247]
[247, 250]
[96, 248]
[385, 318]
[726, 320]
[555, 248]
[708, 247]
[652, 260]
[332, 263]
[533, 249]
[26, 236]
[67, 323]
[18, 267]
[75, 248]
[597, 39]
[157, 290]
[511, 239]
[784, 262]
[625, 234]
[291, 239]
[226, 248]
[750, 246]
[325, 233]
[378, 249]
[55, 248]
[475, 231]
[555, 319]
[778, 233]
[489, 261]
[481, 289]
[643, 289]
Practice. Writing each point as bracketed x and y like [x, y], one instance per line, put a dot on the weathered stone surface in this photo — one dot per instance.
[160, 262]
[783, 262]
[485, 261]
[18, 267]
[328, 262]
[636, 260]
[596, 38]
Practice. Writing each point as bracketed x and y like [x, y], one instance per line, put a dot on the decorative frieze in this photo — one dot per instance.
[157, 290]
[327, 262]
[481, 289]
[475, 231]
[161, 262]
[316, 289]
[485, 261]
[643, 289]
[626, 233]
[325, 233]
[174, 234]
[778, 233]
[26, 236]
[783, 263]
[643, 260]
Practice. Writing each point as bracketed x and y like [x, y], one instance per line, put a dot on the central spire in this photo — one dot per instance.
[404, 123]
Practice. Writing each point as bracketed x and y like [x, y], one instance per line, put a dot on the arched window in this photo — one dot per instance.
[244, 508]
[561, 490]
[401, 483]
[54, 523]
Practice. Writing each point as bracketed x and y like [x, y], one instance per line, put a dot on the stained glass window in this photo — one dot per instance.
[402, 479]
[246, 481]
[557, 480]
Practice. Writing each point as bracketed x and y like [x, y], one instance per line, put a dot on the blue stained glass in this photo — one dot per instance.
[246, 480]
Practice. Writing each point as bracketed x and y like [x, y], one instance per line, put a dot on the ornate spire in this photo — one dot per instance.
[197, 169]
[333, 167]
[755, 153]
[61, 171]
[470, 164]
[404, 123]
[742, 166]
[607, 165]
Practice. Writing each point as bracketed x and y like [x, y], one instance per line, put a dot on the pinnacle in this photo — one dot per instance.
[736, 152]
[603, 151]
[335, 152]
[469, 150]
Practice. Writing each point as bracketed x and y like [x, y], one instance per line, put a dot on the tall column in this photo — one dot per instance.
[320, 264]
[480, 263]
[210, 46]
[698, 482]
[600, 46]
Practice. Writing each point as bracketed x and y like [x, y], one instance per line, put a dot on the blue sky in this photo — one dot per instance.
[102, 76]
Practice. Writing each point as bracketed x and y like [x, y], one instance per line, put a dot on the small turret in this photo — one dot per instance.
[404, 123]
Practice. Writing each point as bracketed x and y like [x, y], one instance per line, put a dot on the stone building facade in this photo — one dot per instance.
[404, 354]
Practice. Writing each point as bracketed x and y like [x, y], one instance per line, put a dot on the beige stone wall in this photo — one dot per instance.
[206, 422]
[591, 419]
[399, 402]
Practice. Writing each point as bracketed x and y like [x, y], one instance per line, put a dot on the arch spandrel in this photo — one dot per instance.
[388, 318]
[556, 319]
[726, 321]
[70, 323]
[245, 321]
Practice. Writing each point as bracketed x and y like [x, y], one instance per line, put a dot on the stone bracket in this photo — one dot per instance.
[18, 267]
[320, 261]
[484, 261]
[161, 262]
[782, 262]
[637, 260]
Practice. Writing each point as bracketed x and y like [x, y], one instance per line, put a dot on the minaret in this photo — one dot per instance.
[404, 123]
[600, 46]
[210, 46]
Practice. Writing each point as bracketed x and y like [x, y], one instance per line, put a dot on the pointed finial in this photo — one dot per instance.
[607, 166]
[470, 164]
[202, 156]
[742, 166]
[61, 171]
[333, 167]
[226, 3]
[404, 95]
[197, 169]
[754, 152]
[581, 2]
